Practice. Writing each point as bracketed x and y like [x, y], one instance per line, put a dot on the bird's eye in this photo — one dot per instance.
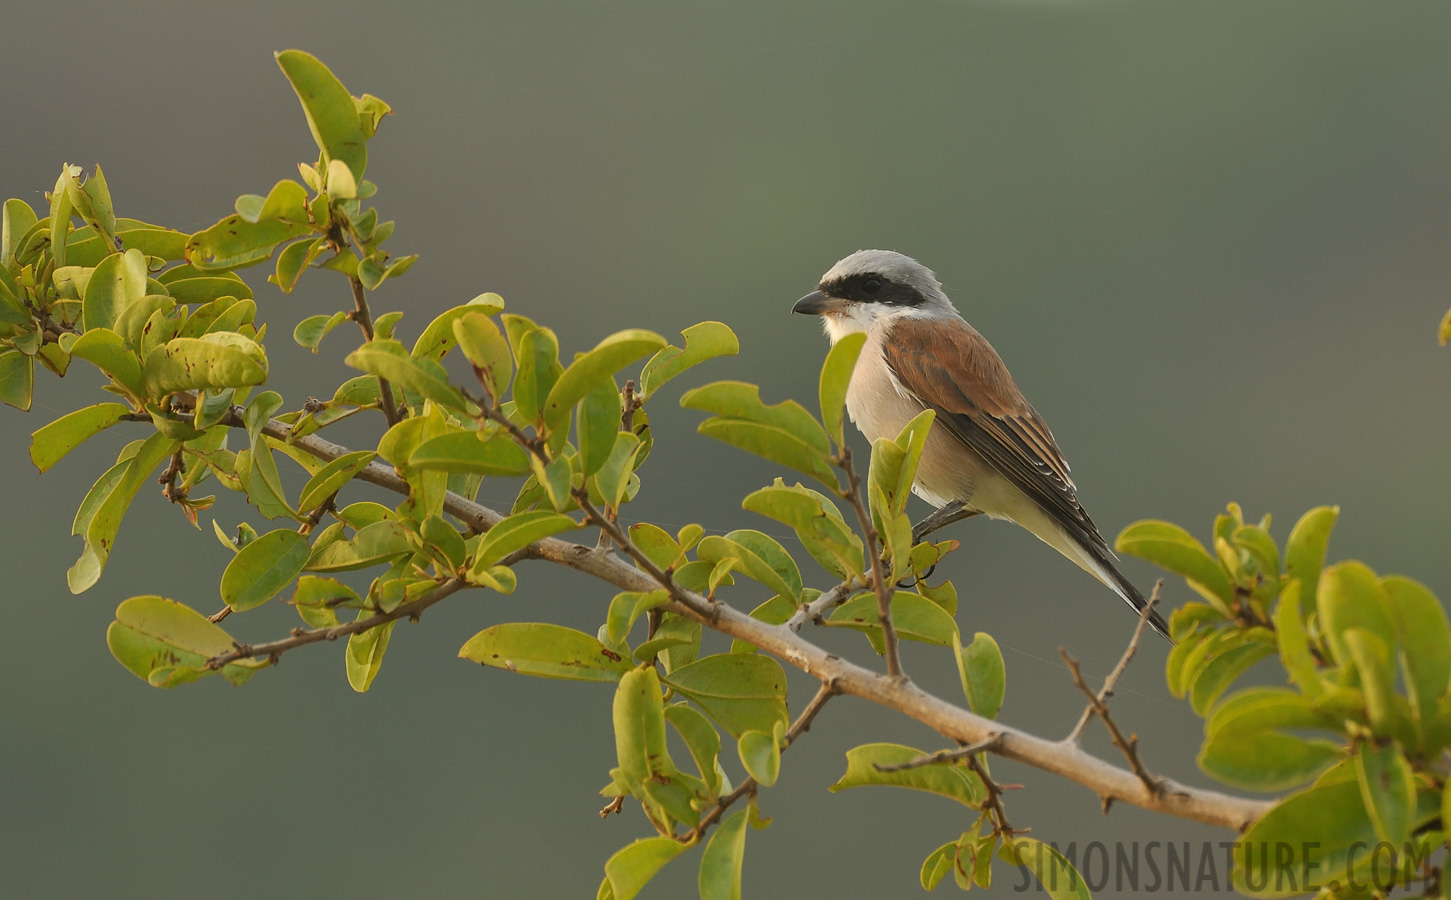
[871, 285]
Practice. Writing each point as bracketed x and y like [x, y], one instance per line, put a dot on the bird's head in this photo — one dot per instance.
[873, 287]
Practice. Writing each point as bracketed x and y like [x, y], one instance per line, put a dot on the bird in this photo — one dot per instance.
[989, 451]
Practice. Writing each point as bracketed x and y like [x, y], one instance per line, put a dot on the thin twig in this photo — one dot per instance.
[1129, 746]
[168, 478]
[880, 583]
[813, 611]
[1112, 680]
[364, 318]
[944, 756]
[993, 804]
[273, 649]
[614, 806]
[802, 724]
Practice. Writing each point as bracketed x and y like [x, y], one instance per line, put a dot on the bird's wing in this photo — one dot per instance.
[952, 369]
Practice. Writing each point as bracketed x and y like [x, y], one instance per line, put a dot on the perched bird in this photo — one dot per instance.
[988, 451]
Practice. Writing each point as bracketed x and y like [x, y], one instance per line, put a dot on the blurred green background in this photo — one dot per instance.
[1210, 239]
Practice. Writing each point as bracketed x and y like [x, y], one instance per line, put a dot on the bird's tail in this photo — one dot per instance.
[1109, 574]
[1096, 559]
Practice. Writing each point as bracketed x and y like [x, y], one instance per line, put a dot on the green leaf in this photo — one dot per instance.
[49, 444]
[373, 544]
[761, 754]
[118, 280]
[471, 452]
[214, 361]
[720, 865]
[105, 350]
[738, 400]
[609, 356]
[438, 337]
[16, 218]
[597, 424]
[332, 116]
[545, 650]
[92, 202]
[331, 477]
[105, 521]
[165, 644]
[761, 558]
[629, 870]
[481, 342]
[372, 272]
[1257, 542]
[785, 433]
[704, 341]
[1220, 669]
[953, 782]
[364, 656]
[626, 609]
[295, 257]
[1054, 872]
[937, 864]
[317, 599]
[1170, 547]
[235, 243]
[539, 369]
[1248, 743]
[817, 522]
[984, 677]
[1351, 596]
[613, 478]
[701, 739]
[60, 214]
[517, 532]
[17, 379]
[1372, 658]
[136, 326]
[310, 331]
[1425, 641]
[341, 185]
[740, 692]
[263, 568]
[388, 360]
[555, 478]
[835, 378]
[1320, 832]
[1294, 641]
[1305, 551]
[1388, 789]
[915, 617]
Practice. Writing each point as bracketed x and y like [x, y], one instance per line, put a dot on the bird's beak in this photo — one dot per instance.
[814, 304]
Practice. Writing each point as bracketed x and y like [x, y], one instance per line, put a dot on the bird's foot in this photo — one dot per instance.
[955, 511]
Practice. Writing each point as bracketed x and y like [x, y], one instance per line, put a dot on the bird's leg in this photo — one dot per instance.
[941, 518]
[955, 511]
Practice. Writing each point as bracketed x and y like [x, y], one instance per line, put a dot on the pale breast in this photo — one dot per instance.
[881, 409]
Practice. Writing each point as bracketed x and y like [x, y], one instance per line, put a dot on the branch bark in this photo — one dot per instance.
[1109, 782]
[301, 637]
[798, 728]
[364, 317]
[880, 584]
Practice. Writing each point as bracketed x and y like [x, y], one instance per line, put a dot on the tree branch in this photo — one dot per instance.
[813, 611]
[1112, 680]
[879, 578]
[300, 637]
[364, 318]
[798, 728]
[953, 722]
[1128, 745]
